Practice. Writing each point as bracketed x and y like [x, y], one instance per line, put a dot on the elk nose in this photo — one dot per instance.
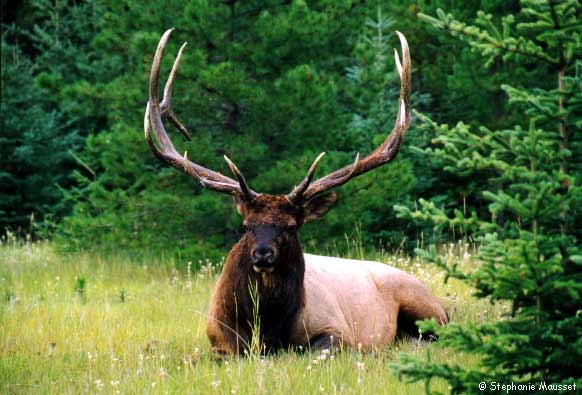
[263, 255]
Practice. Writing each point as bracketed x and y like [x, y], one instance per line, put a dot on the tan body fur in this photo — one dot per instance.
[359, 301]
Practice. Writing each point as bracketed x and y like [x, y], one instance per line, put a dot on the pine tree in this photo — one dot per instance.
[529, 238]
[373, 91]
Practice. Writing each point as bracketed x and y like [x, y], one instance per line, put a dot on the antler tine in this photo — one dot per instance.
[388, 149]
[167, 152]
[297, 193]
[398, 64]
[166, 104]
[248, 194]
[147, 130]
[185, 165]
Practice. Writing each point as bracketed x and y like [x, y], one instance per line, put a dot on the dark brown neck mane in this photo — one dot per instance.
[280, 293]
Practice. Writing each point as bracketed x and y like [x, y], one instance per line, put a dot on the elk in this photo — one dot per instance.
[303, 299]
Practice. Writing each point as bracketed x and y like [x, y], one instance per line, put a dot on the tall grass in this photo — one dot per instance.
[89, 323]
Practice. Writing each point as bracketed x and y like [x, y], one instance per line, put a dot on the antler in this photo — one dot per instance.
[166, 152]
[381, 155]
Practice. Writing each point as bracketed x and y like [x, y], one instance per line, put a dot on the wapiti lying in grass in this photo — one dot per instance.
[267, 284]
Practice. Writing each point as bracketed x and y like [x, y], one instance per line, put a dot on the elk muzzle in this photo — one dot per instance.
[264, 258]
[264, 253]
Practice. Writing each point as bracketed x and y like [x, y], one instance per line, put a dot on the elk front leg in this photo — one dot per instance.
[226, 338]
[325, 341]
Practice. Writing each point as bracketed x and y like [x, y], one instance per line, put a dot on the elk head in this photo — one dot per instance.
[271, 221]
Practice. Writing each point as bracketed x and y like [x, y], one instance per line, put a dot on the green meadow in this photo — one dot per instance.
[87, 323]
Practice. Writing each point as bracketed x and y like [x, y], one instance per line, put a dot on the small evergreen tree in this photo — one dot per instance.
[530, 253]
[373, 89]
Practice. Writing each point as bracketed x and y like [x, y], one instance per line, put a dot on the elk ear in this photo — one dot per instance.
[240, 206]
[318, 206]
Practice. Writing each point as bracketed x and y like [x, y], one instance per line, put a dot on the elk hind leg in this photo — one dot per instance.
[409, 313]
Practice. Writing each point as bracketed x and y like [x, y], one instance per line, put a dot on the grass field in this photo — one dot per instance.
[87, 324]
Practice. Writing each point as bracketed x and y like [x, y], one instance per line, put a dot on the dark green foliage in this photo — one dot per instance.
[45, 108]
[34, 147]
[460, 85]
[527, 221]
